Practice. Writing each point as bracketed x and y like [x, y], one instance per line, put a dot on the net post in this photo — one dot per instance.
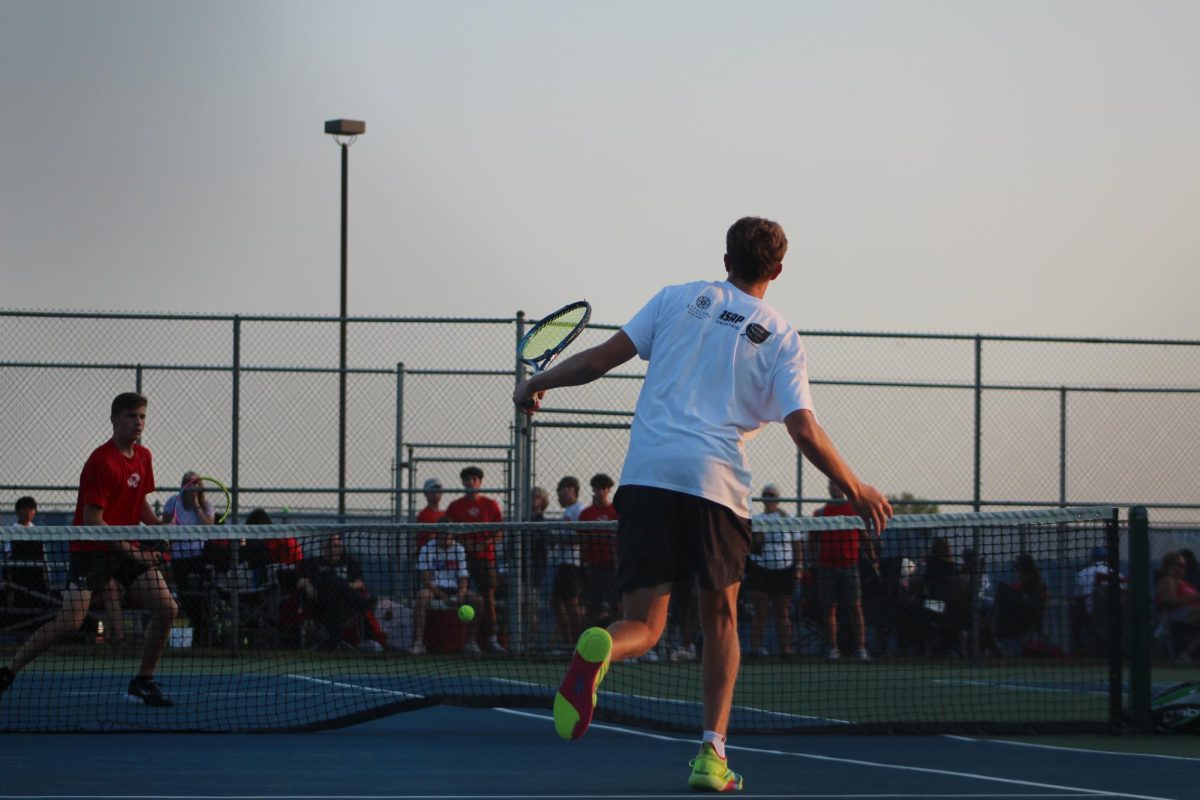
[236, 422]
[398, 449]
[1116, 635]
[1139, 619]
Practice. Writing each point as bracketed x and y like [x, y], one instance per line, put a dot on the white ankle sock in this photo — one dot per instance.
[716, 740]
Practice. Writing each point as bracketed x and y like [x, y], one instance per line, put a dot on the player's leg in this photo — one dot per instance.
[644, 618]
[152, 593]
[722, 656]
[114, 614]
[75, 604]
[718, 620]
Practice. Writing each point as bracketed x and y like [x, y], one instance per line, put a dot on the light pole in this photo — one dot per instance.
[344, 131]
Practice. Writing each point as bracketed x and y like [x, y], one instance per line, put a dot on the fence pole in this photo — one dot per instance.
[522, 476]
[1062, 447]
[1139, 619]
[398, 454]
[977, 491]
[235, 423]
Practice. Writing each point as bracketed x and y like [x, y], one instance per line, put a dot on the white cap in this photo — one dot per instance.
[433, 485]
[770, 488]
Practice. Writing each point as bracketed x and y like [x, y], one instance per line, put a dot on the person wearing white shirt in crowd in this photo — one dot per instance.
[442, 575]
[31, 572]
[776, 558]
[189, 506]
[26, 510]
[563, 563]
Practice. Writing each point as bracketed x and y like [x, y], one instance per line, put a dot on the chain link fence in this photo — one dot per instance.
[966, 422]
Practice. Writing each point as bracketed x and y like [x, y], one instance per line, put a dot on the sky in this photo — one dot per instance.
[1025, 168]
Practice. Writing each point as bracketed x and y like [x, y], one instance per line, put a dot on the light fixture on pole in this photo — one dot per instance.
[344, 131]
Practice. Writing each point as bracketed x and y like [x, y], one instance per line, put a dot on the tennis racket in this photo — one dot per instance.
[200, 493]
[546, 340]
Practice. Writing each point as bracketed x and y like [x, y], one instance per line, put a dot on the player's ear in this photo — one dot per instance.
[727, 267]
[776, 270]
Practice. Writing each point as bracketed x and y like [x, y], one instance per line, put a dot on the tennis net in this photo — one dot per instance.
[304, 627]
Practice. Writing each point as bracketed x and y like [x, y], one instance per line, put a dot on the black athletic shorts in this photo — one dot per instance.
[664, 536]
[770, 581]
[93, 571]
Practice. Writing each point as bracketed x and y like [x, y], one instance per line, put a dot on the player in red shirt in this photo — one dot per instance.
[599, 555]
[113, 487]
[481, 549]
[838, 579]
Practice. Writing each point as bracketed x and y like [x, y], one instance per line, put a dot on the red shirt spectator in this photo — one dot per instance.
[599, 547]
[837, 548]
[476, 508]
[427, 516]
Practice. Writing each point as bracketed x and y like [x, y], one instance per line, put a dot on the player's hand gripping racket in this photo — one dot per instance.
[199, 495]
[546, 340]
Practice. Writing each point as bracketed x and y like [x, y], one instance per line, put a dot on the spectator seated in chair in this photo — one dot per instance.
[1178, 604]
[334, 595]
[1020, 606]
[442, 575]
[943, 592]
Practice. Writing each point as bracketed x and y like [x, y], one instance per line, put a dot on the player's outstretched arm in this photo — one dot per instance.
[583, 367]
[818, 448]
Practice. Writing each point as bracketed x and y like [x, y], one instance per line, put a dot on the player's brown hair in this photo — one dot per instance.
[753, 247]
[128, 401]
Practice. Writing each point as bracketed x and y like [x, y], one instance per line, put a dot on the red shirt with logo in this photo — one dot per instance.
[117, 484]
[599, 547]
[480, 544]
[837, 548]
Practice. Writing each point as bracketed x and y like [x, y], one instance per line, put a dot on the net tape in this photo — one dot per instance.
[908, 522]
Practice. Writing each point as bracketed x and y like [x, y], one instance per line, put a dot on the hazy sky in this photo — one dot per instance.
[1006, 167]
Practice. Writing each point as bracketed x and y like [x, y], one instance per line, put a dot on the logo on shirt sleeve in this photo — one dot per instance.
[756, 333]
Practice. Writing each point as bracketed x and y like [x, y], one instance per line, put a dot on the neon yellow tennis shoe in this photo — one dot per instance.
[711, 773]
[576, 699]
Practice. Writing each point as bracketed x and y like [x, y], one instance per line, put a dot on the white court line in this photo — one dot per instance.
[1020, 687]
[694, 703]
[862, 763]
[355, 686]
[1078, 749]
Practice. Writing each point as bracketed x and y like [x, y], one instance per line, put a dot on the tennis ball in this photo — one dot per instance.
[466, 613]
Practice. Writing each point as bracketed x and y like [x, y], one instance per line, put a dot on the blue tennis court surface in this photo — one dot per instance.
[97, 701]
[448, 752]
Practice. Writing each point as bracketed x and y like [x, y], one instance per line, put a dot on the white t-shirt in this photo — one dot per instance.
[777, 545]
[7, 546]
[187, 516]
[447, 564]
[1085, 583]
[564, 545]
[723, 364]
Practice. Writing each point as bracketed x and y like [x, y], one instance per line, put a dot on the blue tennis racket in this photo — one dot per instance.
[546, 340]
